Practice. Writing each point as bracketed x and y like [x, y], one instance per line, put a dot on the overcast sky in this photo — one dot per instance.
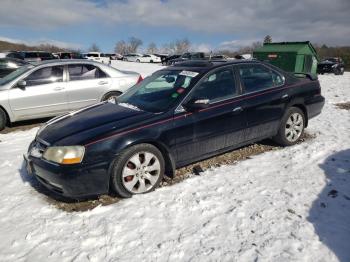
[208, 24]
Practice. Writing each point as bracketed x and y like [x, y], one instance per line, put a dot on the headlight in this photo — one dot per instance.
[66, 155]
[334, 66]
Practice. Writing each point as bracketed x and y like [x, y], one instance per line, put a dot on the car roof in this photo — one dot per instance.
[65, 61]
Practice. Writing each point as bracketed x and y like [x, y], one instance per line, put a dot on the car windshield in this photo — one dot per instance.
[158, 92]
[10, 77]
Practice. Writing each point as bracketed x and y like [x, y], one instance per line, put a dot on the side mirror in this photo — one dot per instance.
[196, 104]
[21, 84]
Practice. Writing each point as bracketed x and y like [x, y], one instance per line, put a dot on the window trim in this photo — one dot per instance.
[40, 68]
[82, 64]
[180, 109]
[237, 67]
[240, 87]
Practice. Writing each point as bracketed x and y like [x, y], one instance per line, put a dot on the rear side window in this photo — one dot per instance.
[258, 77]
[217, 86]
[46, 75]
[84, 72]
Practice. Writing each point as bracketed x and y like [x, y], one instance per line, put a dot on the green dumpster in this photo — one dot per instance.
[294, 57]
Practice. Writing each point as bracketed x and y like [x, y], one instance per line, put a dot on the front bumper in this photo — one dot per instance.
[72, 181]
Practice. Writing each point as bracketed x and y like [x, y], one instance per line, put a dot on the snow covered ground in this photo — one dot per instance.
[291, 204]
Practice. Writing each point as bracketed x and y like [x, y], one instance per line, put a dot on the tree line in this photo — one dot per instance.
[133, 44]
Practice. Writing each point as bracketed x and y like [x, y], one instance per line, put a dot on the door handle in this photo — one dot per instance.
[102, 82]
[237, 110]
[285, 96]
[58, 88]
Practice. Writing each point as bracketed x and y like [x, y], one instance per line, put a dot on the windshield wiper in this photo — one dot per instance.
[127, 105]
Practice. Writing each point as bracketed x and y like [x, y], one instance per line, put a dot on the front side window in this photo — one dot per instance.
[84, 72]
[217, 86]
[258, 77]
[158, 92]
[46, 75]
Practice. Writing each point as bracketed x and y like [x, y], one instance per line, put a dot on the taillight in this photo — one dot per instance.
[139, 80]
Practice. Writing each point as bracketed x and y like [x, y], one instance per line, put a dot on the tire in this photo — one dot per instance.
[294, 122]
[3, 119]
[129, 175]
[111, 97]
[337, 71]
[151, 61]
[138, 61]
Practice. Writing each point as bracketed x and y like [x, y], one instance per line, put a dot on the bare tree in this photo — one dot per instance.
[134, 44]
[152, 48]
[94, 48]
[267, 39]
[121, 47]
[182, 46]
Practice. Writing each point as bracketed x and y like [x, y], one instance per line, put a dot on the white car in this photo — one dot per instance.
[98, 57]
[135, 57]
[55, 87]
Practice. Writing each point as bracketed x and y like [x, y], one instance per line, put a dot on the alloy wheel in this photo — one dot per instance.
[141, 172]
[294, 127]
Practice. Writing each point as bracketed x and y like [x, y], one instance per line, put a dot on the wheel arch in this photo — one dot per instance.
[108, 93]
[168, 158]
[304, 109]
[170, 165]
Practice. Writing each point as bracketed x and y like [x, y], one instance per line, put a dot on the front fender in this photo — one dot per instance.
[110, 148]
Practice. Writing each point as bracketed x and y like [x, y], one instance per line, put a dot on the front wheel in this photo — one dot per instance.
[291, 127]
[138, 170]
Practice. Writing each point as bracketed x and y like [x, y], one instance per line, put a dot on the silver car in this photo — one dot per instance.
[55, 87]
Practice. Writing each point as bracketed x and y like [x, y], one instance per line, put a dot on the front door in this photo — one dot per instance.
[216, 128]
[44, 94]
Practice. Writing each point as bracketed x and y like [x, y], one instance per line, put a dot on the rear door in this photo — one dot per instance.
[44, 94]
[216, 128]
[265, 99]
[86, 85]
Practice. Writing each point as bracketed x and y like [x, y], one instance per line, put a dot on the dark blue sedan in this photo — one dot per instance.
[177, 116]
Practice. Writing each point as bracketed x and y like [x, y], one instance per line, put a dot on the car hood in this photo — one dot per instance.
[90, 122]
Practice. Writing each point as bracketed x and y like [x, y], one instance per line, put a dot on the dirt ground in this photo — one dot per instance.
[345, 105]
[24, 125]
